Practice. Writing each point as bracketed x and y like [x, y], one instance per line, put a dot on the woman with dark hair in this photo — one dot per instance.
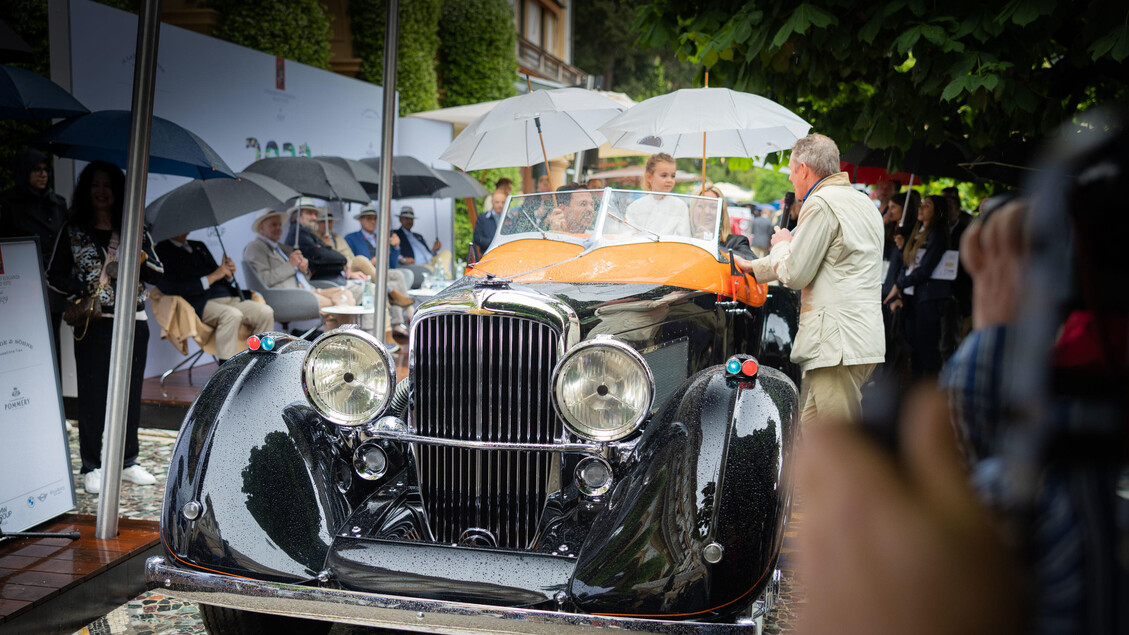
[84, 263]
[924, 297]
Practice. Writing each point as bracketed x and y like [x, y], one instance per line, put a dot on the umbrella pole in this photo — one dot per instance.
[224, 250]
[905, 205]
[541, 138]
[707, 82]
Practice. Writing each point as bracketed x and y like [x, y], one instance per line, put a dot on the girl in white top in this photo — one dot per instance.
[655, 212]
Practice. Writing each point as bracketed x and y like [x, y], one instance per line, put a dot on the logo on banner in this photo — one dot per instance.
[1, 262]
[17, 401]
[5, 514]
[280, 73]
[31, 501]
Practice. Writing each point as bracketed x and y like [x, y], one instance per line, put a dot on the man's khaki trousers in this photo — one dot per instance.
[832, 394]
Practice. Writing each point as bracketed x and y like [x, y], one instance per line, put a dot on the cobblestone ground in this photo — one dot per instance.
[152, 613]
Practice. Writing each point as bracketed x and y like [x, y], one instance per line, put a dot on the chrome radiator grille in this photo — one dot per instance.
[484, 378]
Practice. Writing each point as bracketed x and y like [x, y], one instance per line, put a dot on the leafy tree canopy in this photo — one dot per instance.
[417, 47]
[605, 47]
[890, 73]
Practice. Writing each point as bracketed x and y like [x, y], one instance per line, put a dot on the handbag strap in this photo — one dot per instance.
[93, 298]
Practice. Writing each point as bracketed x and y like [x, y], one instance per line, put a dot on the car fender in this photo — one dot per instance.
[255, 487]
[712, 469]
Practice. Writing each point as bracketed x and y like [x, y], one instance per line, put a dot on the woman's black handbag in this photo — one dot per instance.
[81, 311]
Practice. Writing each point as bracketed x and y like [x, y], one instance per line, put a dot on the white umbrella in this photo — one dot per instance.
[530, 128]
[714, 122]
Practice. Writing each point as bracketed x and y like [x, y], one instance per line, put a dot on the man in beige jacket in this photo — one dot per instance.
[835, 257]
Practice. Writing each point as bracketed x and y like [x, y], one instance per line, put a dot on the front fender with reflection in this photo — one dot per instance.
[263, 470]
[712, 468]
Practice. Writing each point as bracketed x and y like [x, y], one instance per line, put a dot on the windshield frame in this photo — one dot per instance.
[607, 210]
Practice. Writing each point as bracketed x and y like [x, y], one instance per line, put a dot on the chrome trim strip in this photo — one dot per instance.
[389, 611]
[593, 448]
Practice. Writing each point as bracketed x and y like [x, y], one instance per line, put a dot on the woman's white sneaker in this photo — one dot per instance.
[137, 474]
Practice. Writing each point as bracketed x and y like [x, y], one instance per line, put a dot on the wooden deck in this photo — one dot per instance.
[57, 585]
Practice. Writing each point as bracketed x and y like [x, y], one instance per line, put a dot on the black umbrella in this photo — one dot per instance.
[461, 185]
[364, 174]
[28, 95]
[411, 178]
[311, 177]
[104, 135]
[12, 46]
[198, 204]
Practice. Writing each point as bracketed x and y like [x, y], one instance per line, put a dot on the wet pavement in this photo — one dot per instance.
[152, 612]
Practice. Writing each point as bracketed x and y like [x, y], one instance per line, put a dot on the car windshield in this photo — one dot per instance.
[596, 218]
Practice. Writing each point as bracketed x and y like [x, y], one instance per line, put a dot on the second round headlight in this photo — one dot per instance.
[348, 377]
[603, 389]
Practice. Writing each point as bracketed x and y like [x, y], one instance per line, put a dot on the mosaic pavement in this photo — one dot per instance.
[152, 613]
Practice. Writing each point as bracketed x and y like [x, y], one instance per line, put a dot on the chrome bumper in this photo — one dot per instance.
[387, 611]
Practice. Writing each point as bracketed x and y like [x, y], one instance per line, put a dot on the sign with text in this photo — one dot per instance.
[35, 466]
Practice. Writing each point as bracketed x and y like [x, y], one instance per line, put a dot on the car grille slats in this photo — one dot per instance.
[484, 378]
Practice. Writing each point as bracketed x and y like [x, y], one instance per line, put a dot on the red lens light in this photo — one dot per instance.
[253, 342]
[749, 367]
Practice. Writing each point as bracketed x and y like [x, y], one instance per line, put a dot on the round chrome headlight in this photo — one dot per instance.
[603, 389]
[348, 376]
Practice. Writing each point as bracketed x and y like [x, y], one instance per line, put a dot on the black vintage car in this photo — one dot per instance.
[595, 431]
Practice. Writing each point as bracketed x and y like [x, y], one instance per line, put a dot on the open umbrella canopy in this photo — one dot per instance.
[28, 95]
[461, 185]
[411, 178]
[735, 124]
[507, 135]
[198, 204]
[364, 174]
[12, 46]
[104, 135]
[311, 177]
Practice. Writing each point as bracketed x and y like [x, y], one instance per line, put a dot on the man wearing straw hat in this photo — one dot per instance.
[281, 266]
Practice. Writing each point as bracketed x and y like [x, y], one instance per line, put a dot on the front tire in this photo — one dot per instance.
[219, 620]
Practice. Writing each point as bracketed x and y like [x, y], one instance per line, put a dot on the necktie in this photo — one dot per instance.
[302, 281]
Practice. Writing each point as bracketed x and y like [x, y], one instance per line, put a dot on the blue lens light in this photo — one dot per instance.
[732, 367]
[268, 343]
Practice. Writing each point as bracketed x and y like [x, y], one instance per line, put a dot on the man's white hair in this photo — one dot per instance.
[819, 152]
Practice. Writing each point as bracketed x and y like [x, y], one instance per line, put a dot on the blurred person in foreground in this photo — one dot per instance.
[762, 232]
[835, 257]
[84, 263]
[1034, 540]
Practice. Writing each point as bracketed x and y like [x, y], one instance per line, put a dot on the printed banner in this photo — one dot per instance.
[35, 466]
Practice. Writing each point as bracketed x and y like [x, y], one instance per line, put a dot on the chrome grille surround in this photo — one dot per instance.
[480, 363]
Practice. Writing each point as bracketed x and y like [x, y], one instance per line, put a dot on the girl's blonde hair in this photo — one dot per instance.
[654, 160]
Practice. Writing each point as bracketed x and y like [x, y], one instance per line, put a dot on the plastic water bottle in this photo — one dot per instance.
[366, 295]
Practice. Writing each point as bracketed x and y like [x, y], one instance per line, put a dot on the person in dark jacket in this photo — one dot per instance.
[84, 262]
[925, 298]
[325, 262]
[31, 208]
[192, 273]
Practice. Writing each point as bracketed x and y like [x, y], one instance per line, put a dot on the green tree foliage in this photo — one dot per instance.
[294, 29]
[477, 51]
[416, 51]
[605, 47]
[890, 73]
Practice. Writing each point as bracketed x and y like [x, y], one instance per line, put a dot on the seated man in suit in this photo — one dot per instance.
[325, 262]
[414, 252]
[281, 266]
[192, 273]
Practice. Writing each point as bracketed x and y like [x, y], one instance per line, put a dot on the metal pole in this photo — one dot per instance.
[384, 201]
[121, 353]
